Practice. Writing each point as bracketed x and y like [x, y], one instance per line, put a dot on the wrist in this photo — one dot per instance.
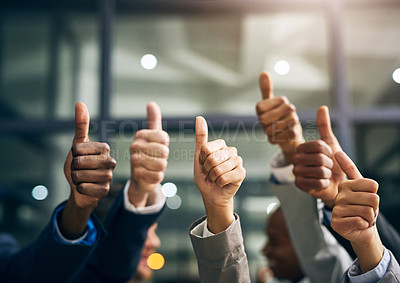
[72, 220]
[369, 254]
[136, 196]
[219, 218]
[289, 150]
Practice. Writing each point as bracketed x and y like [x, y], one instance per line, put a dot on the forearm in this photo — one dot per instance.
[73, 220]
[136, 196]
[219, 218]
[369, 255]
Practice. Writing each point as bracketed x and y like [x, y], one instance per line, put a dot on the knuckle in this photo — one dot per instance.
[216, 171]
[221, 181]
[163, 164]
[103, 190]
[105, 147]
[81, 188]
[282, 99]
[164, 137]
[108, 175]
[75, 175]
[111, 163]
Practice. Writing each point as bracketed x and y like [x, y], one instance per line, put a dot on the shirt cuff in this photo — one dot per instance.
[356, 276]
[87, 239]
[154, 208]
[281, 173]
[202, 231]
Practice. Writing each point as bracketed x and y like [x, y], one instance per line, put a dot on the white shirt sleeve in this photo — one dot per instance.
[280, 171]
[147, 209]
[202, 231]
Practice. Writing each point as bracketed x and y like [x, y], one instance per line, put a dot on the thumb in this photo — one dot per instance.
[266, 86]
[82, 120]
[324, 125]
[201, 133]
[347, 165]
[154, 121]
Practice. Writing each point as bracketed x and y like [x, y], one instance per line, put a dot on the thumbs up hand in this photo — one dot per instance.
[88, 167]
[355, 212]
[149, 154]
[218, 174]
[88, 170]
[315, 167]
[279, 119]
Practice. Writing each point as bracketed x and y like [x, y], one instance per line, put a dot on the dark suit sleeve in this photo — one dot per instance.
[45, 260]
[116, 257]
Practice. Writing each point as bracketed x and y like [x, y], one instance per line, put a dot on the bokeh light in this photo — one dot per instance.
[40, 192]
[169, 189]
[155, 261]
[282, 67]
[396, 75]
[174, 202]
[148, 61]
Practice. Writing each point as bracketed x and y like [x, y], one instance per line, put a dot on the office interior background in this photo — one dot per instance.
[206, 59]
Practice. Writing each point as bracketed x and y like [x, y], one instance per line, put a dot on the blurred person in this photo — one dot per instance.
[354, 217]
[130, 222]
[217, 237]
[72, 232]
[321, 257]
[282, 258]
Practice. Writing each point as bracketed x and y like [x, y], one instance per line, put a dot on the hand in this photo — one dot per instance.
[355, 213]
[88, 169]
[279, 119]
[149, 154]
[218, 174]
[316, 170]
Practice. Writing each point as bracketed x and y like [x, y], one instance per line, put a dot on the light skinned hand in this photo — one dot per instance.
[218, 174]
[315, 168]
[279, 119]
[355, 213]
[149, 155]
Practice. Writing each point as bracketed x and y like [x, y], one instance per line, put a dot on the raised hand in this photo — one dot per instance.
[355, 212]
[279, 119]
[149, 154]
[218, 174]
[315, 167]
[88, 169]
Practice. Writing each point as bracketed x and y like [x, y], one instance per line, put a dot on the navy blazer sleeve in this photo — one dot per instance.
[117, 255]
[45, 260]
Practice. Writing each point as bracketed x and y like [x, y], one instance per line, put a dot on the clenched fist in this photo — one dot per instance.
[279, 119]
[218, 174]
[149, 155]
[88, 170]
[355, 212]
[315, 168]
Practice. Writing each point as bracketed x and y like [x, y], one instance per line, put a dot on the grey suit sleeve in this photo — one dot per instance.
[321, 257]
[221, 257]
[392, 274]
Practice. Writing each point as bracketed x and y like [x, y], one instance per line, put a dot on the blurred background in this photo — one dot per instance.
[192, 58]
